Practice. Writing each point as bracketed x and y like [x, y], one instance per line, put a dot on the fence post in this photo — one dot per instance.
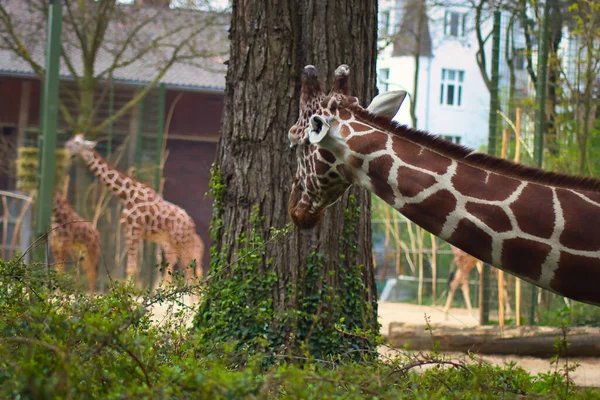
[484, 305]
[49, 120]
[139, 138]
[111, 109]
[540, 120]
[160, 132]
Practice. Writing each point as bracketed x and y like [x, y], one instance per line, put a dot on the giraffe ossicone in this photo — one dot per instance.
[146, 215]
[542, 227]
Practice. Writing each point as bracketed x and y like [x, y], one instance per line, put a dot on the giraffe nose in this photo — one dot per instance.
[305, 219]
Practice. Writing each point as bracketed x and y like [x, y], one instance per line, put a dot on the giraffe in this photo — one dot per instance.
[146, 215]
[464, 265]
[542, 227]
[70, 231]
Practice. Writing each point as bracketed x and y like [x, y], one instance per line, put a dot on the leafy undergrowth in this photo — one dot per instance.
[56, 342]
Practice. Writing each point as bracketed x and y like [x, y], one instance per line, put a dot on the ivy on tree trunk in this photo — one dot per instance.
[287, 291]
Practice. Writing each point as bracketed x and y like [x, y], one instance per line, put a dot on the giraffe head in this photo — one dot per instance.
[318, 139]
[78, 144]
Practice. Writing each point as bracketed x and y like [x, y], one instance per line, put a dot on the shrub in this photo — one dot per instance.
[56, 342]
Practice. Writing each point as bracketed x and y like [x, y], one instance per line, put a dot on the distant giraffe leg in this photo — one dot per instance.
[465, 291]
[60, 250]
[186, 256]
[89, 267]
[132, 240]
[453, 286]
[198, 254]
[170, 260]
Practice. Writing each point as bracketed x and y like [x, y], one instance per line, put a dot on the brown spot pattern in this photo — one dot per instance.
[344, 131]
[327, 156]
[356, 162]
[524, 257]
[471, 181]
[431, 213]
[491, 215]
[379, 172]
[344, 114]
[582, 221]
[412, 182]
[577, 278]
[534, 210]
[321, 168]
[413, 154]
[469, 236]
[358, 127]
[368, 144]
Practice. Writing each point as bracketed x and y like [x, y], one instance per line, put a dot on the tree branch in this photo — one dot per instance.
[480, 55]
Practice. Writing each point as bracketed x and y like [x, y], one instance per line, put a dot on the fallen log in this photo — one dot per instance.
[522, 340]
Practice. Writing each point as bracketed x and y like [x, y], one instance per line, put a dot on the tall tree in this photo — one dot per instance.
[308, 289]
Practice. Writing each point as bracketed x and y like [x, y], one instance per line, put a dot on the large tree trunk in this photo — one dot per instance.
[293, 289]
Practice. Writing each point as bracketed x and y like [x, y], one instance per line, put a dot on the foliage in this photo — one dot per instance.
[326, 322]
[56, 342]
[28, 168]
[578, 314]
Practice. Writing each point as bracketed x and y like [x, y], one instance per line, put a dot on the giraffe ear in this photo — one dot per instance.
[387, 104]
[90, 144]
[318, 129]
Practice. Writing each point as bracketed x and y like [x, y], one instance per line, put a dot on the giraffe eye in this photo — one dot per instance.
[293, 147]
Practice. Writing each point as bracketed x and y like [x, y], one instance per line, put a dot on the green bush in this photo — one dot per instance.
[578, 314]
[57, 343]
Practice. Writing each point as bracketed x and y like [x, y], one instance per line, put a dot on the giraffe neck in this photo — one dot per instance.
[116, 181]
[533, 230]
[61, 210]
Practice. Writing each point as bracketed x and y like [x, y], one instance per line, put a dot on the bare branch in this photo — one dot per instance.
[480, 55]
[17, 45]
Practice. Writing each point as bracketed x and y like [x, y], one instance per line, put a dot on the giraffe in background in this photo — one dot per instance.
[540, 226]
[464, 265]
[146, 215]
[69, 235]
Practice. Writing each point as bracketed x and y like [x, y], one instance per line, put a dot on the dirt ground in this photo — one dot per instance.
[588, 374]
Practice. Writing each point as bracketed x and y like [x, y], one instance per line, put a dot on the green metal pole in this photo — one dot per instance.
[495, 81]
[111, 106]
[484, 301]
[160, 131]
[50, 118]
[139, 139]
[540, 120]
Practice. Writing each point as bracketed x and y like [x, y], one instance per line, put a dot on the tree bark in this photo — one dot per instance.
[270, 44]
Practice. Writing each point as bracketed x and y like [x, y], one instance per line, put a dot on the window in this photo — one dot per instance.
[519, 60]
[382, 79]
[452, 87]
[384, 23]
[453, 139]
[454, 24]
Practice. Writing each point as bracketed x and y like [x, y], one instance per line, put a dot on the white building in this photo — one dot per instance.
[452, 99]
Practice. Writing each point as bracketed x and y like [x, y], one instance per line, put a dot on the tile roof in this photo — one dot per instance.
[200, 38]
